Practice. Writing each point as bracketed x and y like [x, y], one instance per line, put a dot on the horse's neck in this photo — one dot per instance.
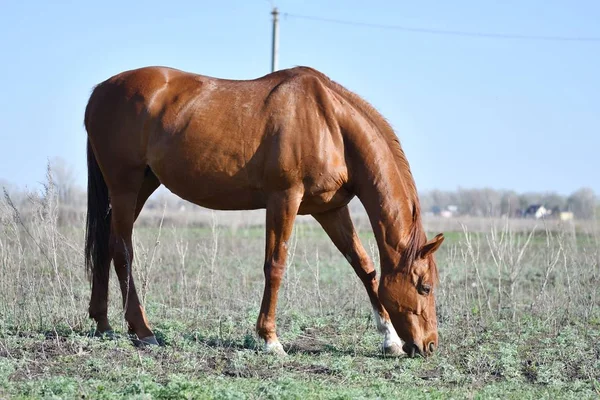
[388, 203]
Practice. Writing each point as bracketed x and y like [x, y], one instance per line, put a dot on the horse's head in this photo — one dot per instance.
[407, 295]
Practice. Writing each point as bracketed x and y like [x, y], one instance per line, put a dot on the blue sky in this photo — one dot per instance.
[470, 112]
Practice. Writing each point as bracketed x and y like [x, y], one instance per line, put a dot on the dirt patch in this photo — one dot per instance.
[311, 369]
[314, 341]
[529, 370]
[307, 345]
[431, 374]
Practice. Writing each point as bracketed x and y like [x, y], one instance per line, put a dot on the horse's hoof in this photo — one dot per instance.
[147, 341]
[275, 348]
[393, 350]
[109, 334]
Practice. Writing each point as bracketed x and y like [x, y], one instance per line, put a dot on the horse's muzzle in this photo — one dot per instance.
[412, 350]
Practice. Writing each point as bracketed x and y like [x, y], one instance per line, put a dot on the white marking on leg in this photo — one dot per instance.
[391, 340]
[275, 347]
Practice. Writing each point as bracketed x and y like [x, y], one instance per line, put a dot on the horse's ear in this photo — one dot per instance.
[431, 246]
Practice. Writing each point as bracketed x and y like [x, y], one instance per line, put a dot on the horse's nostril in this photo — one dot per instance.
[431, 347]
[411, 349]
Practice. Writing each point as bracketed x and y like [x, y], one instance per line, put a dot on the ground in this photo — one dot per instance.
[518, 318]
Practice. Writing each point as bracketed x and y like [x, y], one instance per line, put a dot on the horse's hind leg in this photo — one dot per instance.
[340, 229]
[124, 203]
[98, 309]
[99, 299]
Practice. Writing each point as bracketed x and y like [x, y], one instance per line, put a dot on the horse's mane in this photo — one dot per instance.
[417, 237]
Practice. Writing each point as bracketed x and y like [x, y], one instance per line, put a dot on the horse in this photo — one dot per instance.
[291, 142]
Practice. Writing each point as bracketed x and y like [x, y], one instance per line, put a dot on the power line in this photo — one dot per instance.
[444, 32]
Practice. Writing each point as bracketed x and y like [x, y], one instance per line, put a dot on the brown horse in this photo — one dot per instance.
[293, 142]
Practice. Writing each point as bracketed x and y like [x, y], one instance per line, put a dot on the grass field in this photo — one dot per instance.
[518, 314]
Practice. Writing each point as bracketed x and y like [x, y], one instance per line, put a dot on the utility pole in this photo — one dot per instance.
[275, 42]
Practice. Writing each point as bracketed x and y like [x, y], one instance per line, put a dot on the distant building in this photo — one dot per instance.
[536, 211]
[565, 216]
[447, 212]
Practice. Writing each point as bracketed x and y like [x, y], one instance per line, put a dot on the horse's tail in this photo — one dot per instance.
[97, 232]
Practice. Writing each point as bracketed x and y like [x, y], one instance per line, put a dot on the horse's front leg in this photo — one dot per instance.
[340, 229]
[282, 208]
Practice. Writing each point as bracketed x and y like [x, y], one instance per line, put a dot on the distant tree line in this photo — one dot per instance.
[495, 203]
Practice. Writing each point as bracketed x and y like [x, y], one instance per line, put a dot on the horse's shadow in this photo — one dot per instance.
[301, 345]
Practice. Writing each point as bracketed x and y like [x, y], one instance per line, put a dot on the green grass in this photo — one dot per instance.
[328, 358]
[517, 319]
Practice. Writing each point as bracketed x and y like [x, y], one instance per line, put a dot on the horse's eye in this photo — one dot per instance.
[425, 288]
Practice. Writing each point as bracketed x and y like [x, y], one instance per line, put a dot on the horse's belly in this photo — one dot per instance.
[219, 191]
[214, 192]
[201, 178]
